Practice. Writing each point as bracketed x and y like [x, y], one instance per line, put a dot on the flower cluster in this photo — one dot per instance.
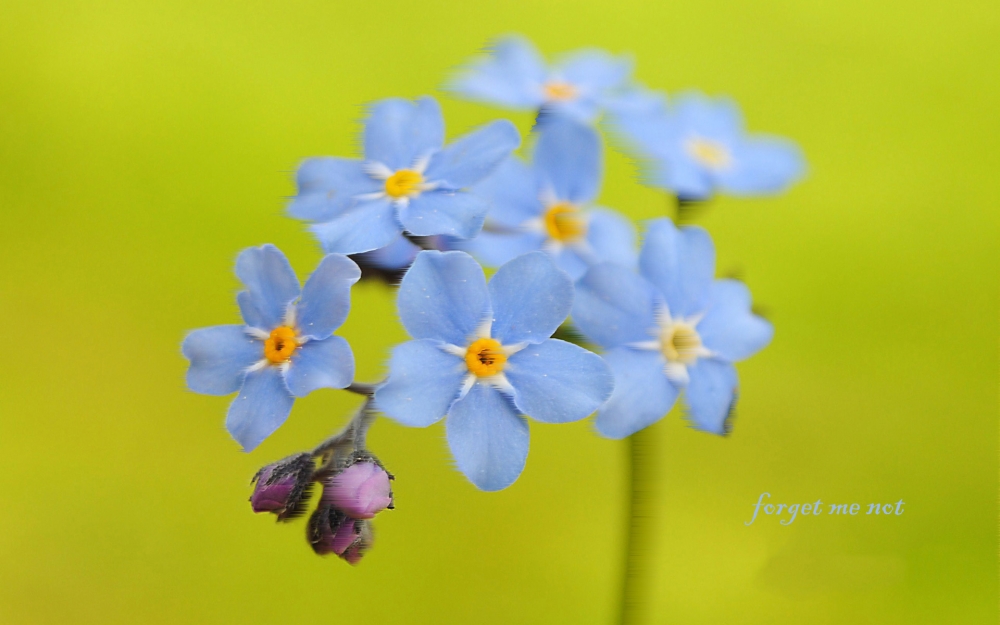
[487, 354]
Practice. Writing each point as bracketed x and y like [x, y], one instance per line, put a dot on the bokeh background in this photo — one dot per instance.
[143, 144]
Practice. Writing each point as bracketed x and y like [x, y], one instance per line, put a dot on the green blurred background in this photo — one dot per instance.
[143, 144]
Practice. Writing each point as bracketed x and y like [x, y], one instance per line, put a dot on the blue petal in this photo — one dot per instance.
[271, 286]
[614, 306]
[568, 159]
[763, 166]
[531, 297]
[454, 213]
[326, 363]
[512, 190]
[443, 296]
[251, 312]
[594, 71]
[511, 76]
[729, 328]
[488, 438]
[639, 124]
[713, 118]
[711, 394]
[687, 179]
[398, 132]
[326, 296]
[423, 382]
[680, 263]
[473, 156]
[495, 249]
[397, 255]
[612, 238]
[642, 395]
[573, 260]
[635, 102]
[640, 120]
[261, 407]
[558, 382]
[219, 358]
[364, 227]
[327, 187]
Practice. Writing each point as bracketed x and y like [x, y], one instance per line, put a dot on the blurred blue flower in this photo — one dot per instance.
[286, 349]
[406, 181]
[673, 327]
[547, 206]
[697, 146]
[515, 75]
[483, 357]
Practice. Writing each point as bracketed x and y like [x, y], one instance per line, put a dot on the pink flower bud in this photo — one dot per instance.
[283, 487]
[360, 491]
[346, 535]
[324, 525]
[271, 496]
[361, 544]
[331, 531]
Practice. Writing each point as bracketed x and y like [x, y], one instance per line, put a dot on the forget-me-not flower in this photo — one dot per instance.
[286, 349]
[697, 146]
[406, 180]
[483, 358]
[673, 327]
[548, 206]
[515, 75]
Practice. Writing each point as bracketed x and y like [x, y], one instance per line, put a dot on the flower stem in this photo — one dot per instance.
[684, 210]
[351, 438]
[639, 477]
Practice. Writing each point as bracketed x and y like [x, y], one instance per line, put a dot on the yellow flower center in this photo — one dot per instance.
[564, 222]
[403, 183]
[709, 153]
[280, 345]
[558, 90]
[485, 357]
[680, 343]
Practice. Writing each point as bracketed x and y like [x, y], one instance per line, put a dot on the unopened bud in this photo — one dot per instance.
[332, 531]
[283, 487]
[360, 490]
[361, 544]
[322, 530]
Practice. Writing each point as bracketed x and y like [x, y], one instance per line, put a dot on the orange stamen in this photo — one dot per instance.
[563, 222]
[485, 357]
[279, 347]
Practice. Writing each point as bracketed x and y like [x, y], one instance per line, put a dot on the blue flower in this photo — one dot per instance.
[673, 327]
[286, 349]
[483, 357]
[515, 75]
[406, 180]
[698, 146]
[547, 206]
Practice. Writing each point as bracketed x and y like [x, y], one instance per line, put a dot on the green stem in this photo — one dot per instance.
[684, 212]
[350, 439]
[639, 476]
